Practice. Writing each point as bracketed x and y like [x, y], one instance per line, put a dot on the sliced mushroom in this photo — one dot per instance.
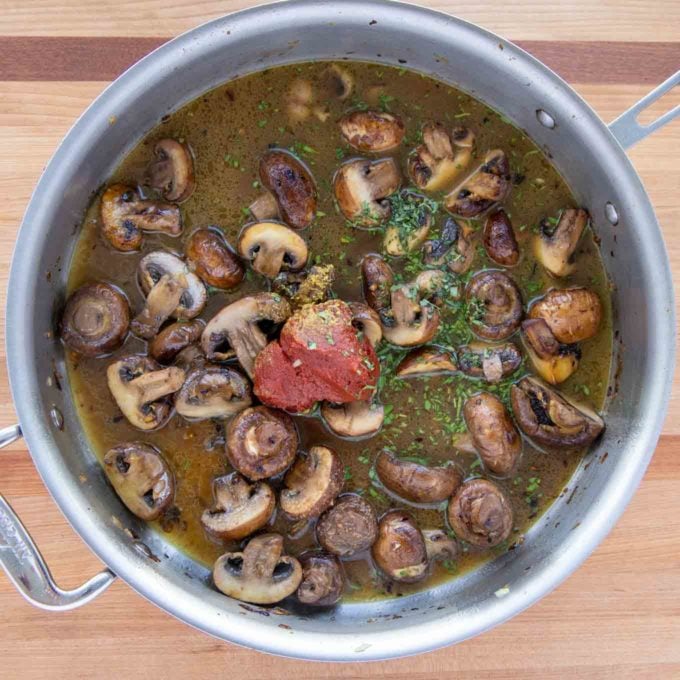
[299, 100]
[573, 314]
[480, 513]
[189, 358]
[410, 232]
[453, 248]
[356, 419]
[160, 304]
[174, 338]
[372, 131]
[307, 287]
[441, 158]
[260, 574]
[349, 527]
[291, 183]
[554, 247]
[302, 101]
[427, 361]
[493, 433]
[96, 319]
[399, 551]
[264, 207]
[141, 478]
[499, 239]
[235, 331]
[439, 546]
[271, 248]
[336, 82]
[172, 173]
[362, 187]
[488, 185]
[261, 442]
[366, 321]
[312, 484]
[494, 305]
[415, 482]
[213, 392]
[492, 363]
[211, 258]
[240, 508]
[139, 385]
[554, 361]
[550, 419]
[322, 579]
[378, 280]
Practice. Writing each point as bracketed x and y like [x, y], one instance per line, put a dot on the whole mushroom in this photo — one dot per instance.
[491, 363]
[271, 248]
[174, 338]
[372, 131]
[427, 361]
[573, 314]
[209, 256]
[554, 361]
[213, 392]
[172, 171]
[400, 551]
[494, 305]
[322, 579]
[348, 527]
[499, 239]
[555, 245]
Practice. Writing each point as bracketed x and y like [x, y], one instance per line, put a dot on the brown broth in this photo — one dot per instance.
[228, 129]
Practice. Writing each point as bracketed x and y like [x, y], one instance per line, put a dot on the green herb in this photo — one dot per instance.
[311, 344]
[301, 149]
[320, 213]
[462, 115]
[409, 214]
[348, 473]
[231, 161]
[364, 460]
[385, 101]
[450, 566]
[263, 106]
[262, 123]
[339, 153]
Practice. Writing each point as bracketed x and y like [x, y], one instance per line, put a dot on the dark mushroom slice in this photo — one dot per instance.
[494, 435]
[174, 338]
[499, 239]
[349, 527]
[366, 321]
[141, 478]
[125, 216]
[436, 163]
[415, 482]
[271, 247]
[550, 419]
[301, 100]
[96, 319]
[322, 579]
[573, 314]
[172, 172]
[378, 280]
[312, 484]
[415, 220]
[362, 188]
[355, 419]
[240, 508]
[454, 248]
[291, 183]
[306, 287]
[235, 329]
[555, 245]
[213, 392]
[439, 546]
[491, 363]
[190, 357]
[494, 305]
[260, 574]
[427, 361]
[554, 361]
[212, 260]
[487, 186]
[261, 442]
[372, 131]
[480, 513]
[140, 387]
[335, 82]
[399, 551]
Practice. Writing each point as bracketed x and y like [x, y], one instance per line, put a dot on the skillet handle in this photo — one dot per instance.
[24, 565]
[626, 128]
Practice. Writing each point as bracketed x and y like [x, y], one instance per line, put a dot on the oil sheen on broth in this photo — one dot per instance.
[228, 129]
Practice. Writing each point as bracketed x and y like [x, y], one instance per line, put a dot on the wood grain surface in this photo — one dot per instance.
[618, 616]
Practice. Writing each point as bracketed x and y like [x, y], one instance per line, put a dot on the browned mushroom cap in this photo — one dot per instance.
[125, 215]
[554, 247]
[490, 362]
[292, 185]
[349, 527]
[96, 319]
[487, 186]
[172, 173]
[373, 131]
[439, 546]
[213, 392]
[554, 361]
[312, 484]
[261, 442]
[234, 330]
[494, 305]
[140, 387]
[415, 482]
[322, 579]
[260, 574]
[210, 257]
[549, 418]
[480, 513]
[399, 551]
[272, 247]
[366, 321]
[417, 218]
[427, 361]
[141, 478]
[378, 280]
[499, 239]
[441, 158]
[362, 187]
[454, 248]
[573, 314]
[240, 508]
[306, 287]
[493, 433]
[174, 338]
[356, 419]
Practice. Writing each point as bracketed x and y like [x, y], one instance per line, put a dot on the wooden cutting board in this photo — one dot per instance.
[617, 617]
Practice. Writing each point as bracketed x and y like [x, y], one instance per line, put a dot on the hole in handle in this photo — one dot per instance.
[658, 108]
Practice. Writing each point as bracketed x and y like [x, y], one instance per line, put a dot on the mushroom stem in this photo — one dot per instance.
[153, 386]
[161, 302]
